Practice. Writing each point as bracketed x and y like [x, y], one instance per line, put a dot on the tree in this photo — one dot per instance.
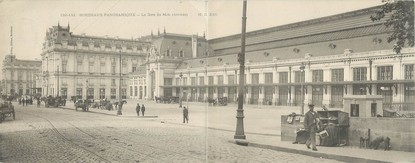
[401, 20]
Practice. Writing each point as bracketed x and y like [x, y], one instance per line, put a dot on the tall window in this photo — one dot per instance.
[268, 78]
[79, 67]
[113, 65]
[360, 74]
[185, 81]
[299, 77]
[102, 67]
[178, 81]
[254, 78]
[102, 82]
[168, 81]
[181, 53]
[134, 69]
[123, 93]
[317, 75]
[91, 67]
[113, 93]
[409, 72]
[202, 80]
[385, 73]
[123, 82]
[231, 79]
[193, 80]
[220, 79]
[112, 82]
[79, 92]
[210, 80]
[64, 67]
[337, 75]
[283, 77]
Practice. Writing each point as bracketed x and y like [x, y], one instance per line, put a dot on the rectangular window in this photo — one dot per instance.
[90, 93]
[168, 81]
[317, 75]
[337, 75]
[131, 90]
[360, 74]
[101, 93]
[102, 82]
[185, 81]
[268, 78]
[385, 73]
[113, 82]
[135, 90]
[210, 80]
[113, 93]
[79, 67]
[79, 92]
[220, 79]
[283, 77]
[134, 69]
[102, 68]
[409, 72]
[91, 67]
[113, 69]
[231, 79]
[123, 93]
[123, 82]
[354, 110]
[178, 81]
[299, 76]
[202, 80]
[193, 80]
[64, 66]
[254, 78]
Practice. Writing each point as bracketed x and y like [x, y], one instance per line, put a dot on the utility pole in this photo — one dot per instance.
[239, 133]
[119, 112]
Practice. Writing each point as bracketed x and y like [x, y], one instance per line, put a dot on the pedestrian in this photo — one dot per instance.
[23, 101]
[137, 109]
[143, 109]
[185, 115]
[38, 103]
[310, 125]
[20, 100]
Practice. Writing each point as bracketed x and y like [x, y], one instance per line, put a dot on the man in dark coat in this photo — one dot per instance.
[143, 109]
[137, 109]
[310, 124]
[185, 115]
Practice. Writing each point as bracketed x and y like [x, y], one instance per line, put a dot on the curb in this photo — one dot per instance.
[313, 154]
[94, 112]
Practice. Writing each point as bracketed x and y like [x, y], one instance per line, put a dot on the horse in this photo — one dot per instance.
[212, 101]
[84, 105]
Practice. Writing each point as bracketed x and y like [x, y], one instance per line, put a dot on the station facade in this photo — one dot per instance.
[344, 54]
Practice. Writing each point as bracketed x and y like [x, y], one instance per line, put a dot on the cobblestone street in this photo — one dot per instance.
[64, 135]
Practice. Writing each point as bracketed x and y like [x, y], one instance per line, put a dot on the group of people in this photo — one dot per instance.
[25, 100]
[138, 109]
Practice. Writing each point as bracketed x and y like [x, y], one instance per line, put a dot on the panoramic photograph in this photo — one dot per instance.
[207, 81]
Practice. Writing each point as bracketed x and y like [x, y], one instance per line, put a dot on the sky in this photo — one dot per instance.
[131, 19]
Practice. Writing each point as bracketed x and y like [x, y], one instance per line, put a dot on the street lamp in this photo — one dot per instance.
[302, 67]
[119, 112]
[239, 132]
[57, 76]
[181, 91]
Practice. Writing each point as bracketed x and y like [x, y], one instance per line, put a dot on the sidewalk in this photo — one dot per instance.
[261, 129]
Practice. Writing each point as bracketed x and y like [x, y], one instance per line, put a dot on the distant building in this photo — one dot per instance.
[88, 66]
[20, 76]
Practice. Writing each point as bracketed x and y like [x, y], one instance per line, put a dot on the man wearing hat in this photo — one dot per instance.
[310, 125]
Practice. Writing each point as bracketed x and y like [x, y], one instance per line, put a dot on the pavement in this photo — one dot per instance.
[261, 125]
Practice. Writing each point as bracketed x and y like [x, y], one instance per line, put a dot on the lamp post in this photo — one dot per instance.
[239, 132]
[302, 67]
[57, 76]
[181, 91]
[119, 111]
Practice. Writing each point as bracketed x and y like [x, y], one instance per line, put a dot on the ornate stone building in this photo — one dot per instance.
[88, 66]
[20, 76]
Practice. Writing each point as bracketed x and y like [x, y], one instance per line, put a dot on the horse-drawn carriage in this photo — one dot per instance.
[83, 104]
[54, 101]
[167, 99]
[6, 110]
[223, 101]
